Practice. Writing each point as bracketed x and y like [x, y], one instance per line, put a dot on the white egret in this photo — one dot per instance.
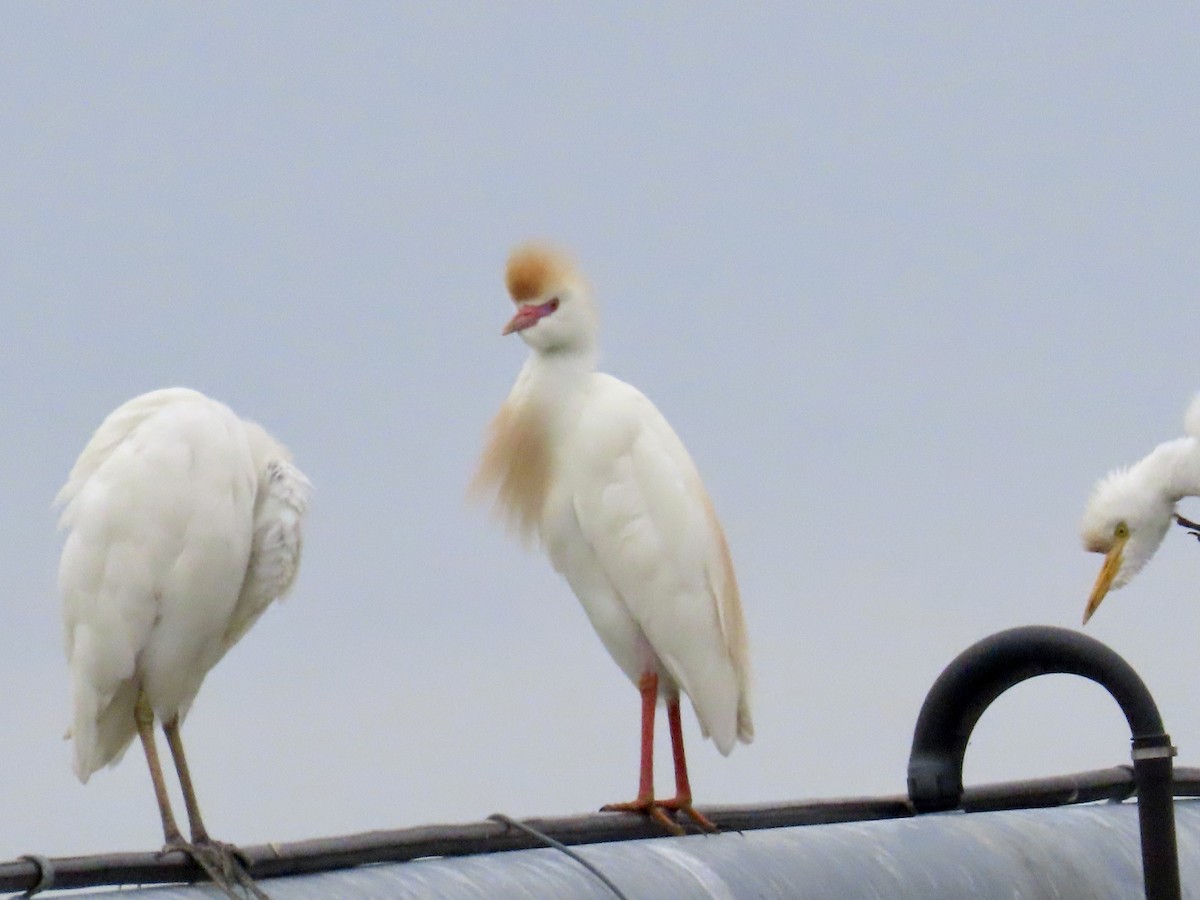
[184, 524]
[1131, 509]
[590, 465]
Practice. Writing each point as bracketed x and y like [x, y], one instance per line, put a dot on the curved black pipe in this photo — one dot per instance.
[984, 671]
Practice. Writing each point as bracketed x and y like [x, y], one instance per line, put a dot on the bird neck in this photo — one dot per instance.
[551, 383]
[1174, 469]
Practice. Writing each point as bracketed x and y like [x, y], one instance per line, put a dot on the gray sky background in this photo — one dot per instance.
[906, 281]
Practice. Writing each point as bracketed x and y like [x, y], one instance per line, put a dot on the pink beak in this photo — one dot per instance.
[528, 316]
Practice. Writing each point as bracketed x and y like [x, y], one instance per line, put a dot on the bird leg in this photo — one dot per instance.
[199, 832]
[682, 801]
[143, 717]
[645, 802]
[1192, 527]
[224, 863]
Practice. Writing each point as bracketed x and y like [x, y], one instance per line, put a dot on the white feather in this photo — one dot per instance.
[166, 508]
[640, 509]
[1191, 418]
[281, 502]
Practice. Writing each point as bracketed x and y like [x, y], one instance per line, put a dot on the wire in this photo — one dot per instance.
[560, 846]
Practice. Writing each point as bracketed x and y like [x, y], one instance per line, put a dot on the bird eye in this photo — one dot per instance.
[1122, 530]
[553, 304]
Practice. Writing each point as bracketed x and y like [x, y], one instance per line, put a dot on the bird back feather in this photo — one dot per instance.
[115, 428]
[1191, 419]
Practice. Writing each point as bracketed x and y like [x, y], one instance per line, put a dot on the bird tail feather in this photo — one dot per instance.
[102, 731]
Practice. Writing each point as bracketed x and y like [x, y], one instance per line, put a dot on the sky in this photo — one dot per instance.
[906, 280]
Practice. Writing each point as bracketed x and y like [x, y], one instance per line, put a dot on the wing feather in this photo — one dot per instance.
[280, 504]
[643, 509]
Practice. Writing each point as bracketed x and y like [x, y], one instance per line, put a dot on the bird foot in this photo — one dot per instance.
[1192, 527]
[231, 853]
[225, 864]
[684, 805]
[175, 843]
[648, 806]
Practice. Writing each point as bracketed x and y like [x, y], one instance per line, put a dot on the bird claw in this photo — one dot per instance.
[229, 852]
[224, 864]
[175, 844]
[702, 821]
[648, 806]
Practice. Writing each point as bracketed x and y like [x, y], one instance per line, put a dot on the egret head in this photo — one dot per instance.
[1126, 519]
[554, 312]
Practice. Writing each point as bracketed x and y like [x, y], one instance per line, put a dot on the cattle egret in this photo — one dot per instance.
[183, 525]
[590, 466]
[1131, 509]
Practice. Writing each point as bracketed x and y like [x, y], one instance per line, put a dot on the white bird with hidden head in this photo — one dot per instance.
[183, 526]
[1131, 509]
[590, 465]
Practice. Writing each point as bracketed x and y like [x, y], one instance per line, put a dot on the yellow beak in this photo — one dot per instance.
[1108, 572]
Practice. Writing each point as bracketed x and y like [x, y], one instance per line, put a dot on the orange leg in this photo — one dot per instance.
[645, 802]
[683, 790]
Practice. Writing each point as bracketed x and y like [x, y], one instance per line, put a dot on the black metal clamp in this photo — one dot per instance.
[987, 669]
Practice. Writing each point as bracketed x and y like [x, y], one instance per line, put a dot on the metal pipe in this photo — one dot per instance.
[1156, 815]
[326, 854]
[1068, 853]
[984, 671]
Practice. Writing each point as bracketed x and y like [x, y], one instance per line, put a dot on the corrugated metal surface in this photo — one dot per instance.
[1080, 852]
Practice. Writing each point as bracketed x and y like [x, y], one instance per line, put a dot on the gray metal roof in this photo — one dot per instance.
[461, 859]
[1087, 851]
